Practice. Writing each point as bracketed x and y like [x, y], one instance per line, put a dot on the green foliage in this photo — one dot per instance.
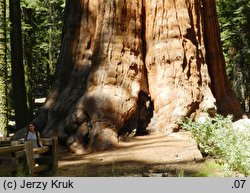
[41, 30]
[217, 136]
[42, 27]
[180, 173]
[234, 19]
[210, 169]
[3, 67]
[22, 170]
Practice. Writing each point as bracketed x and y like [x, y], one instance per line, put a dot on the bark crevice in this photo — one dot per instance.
[138, 65]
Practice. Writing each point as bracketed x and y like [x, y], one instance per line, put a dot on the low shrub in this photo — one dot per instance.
[217, 137]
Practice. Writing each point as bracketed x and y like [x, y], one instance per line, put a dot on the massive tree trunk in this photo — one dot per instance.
[225, 98]
[122, 62]
[179, 82]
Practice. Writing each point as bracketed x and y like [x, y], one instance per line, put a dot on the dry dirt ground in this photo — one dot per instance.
[175, 154]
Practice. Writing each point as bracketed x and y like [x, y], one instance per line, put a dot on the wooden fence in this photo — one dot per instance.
[16, 157]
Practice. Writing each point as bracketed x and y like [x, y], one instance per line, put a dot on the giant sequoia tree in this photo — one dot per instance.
[135, 64]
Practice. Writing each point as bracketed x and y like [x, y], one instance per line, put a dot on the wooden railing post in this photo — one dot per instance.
[54, 154]
[24, 155]
[30, 156]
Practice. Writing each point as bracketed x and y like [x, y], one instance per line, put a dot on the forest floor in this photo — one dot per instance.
[175, 154]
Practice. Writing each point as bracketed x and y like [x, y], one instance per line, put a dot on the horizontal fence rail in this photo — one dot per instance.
[15, 156]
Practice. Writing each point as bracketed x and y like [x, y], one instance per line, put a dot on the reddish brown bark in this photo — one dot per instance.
[177, 70]
[123, 61]
[225, 98]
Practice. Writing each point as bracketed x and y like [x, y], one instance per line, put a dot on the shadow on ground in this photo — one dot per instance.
[175, 154]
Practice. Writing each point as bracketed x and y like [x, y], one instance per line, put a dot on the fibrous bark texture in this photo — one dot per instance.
[225, 98]
[130, 65]
[178, 78]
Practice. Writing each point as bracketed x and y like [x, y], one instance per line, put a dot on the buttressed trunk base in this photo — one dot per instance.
[131, 65]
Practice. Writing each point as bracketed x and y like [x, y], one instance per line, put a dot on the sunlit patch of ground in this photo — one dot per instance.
[175, 154]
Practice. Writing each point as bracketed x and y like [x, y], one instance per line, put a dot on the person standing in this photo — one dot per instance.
[33, 135]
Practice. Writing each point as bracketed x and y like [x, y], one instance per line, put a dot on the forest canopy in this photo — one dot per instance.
[41, 25]
[234, 18]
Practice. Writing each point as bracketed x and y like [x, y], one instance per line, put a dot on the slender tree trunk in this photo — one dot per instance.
[247, 99]
[28, 60]
[122, 62]
[3, 67]
[50, 56]
[17, 69]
